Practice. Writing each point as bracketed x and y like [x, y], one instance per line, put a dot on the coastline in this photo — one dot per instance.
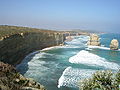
[36, 52]
[17, 42]
[42, 60]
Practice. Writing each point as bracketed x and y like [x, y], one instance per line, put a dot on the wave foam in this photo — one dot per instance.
[49, 48]
[71, 76]
[77, 42]
[101, 47]
[57, 47]
[29, 58]
[84, 57]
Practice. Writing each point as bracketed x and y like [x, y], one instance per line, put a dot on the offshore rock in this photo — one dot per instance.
[114, 44]
[94, 40]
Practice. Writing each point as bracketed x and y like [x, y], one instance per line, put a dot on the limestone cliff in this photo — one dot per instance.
[17, 42]
[94, 40]
[10, 79]
[114, 44]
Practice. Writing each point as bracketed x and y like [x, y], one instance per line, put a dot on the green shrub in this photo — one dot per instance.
[101, 80]
[118, 77]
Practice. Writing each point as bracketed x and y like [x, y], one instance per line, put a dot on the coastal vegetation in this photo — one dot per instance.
[10, 79]
[101, 80]
[17, 42]
[10, 30]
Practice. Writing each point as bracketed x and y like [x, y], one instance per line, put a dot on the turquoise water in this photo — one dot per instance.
[62, 67]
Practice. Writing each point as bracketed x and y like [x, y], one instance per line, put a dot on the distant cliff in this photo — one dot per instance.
[17, 42]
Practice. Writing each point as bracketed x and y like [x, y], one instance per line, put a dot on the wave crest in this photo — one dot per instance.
[84, 57]
[72, 76]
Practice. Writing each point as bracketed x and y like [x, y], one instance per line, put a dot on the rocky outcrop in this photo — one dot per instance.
[16, 45]
[114, 44]
[10, 79]
[69, 38]
[94, 40]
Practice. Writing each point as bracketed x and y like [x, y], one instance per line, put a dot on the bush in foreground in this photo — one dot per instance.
[101, 80]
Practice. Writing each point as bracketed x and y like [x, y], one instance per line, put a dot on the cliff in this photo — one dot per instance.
[10, 79]
[17, 42]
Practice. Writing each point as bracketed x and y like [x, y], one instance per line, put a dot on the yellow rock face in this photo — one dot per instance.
[114, 44]
[94, 40]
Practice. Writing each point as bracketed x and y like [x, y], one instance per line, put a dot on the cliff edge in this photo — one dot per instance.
[10, 79]
[17, 42]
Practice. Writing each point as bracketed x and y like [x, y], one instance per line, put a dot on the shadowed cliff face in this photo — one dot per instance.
[14, 48]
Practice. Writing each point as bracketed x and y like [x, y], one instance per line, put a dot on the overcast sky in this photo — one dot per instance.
[99, 15]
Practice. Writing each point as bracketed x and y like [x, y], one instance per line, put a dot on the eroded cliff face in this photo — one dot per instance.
[114, 44]
[14, 48]
[94, 40]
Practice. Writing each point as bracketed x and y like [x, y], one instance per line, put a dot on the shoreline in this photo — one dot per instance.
[18, 42]
[44, 49]
[36, 52]
[49, 48]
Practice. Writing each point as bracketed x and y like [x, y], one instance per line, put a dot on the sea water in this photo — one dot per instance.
[62, 67]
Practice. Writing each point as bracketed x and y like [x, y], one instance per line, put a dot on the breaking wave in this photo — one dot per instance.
[84, 57]
[72, 76]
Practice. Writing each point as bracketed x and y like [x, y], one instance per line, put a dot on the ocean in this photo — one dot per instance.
[62, 67]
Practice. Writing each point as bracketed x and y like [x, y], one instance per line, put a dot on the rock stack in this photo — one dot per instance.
[114, 44]
[94, 40]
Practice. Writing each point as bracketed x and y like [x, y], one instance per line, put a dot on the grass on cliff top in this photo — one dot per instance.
[10, 30]
[6, 30]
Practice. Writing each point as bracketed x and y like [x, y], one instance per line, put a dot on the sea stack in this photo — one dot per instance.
[114, 44]
[94, 40]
